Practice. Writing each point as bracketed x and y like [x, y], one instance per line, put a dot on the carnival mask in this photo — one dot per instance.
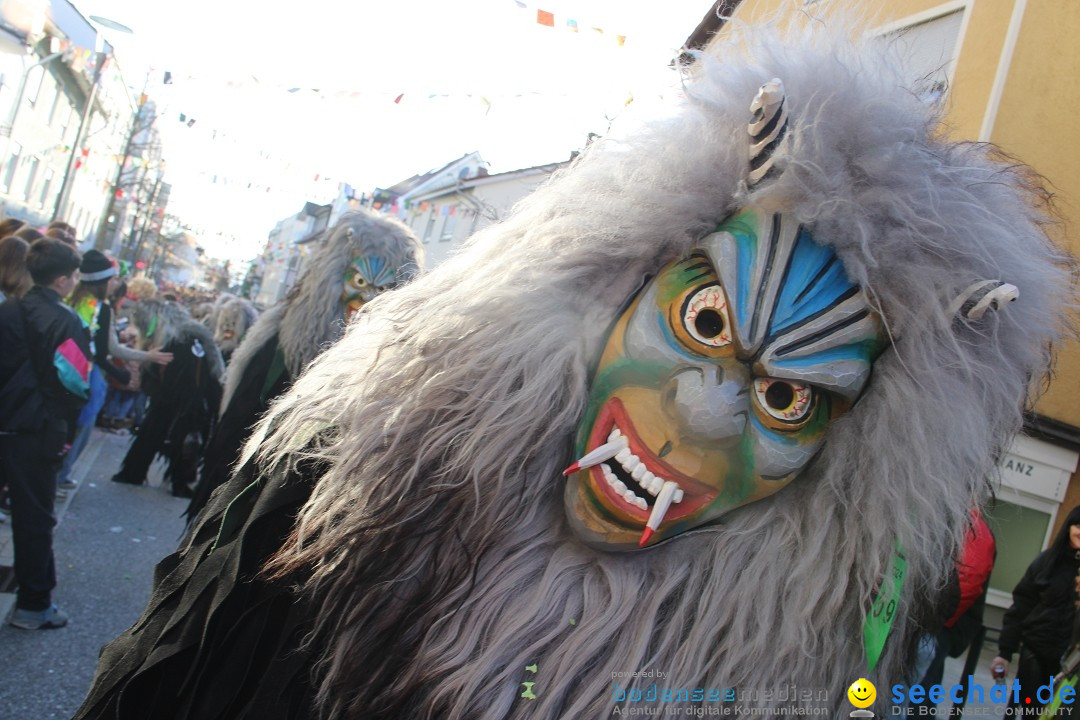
[365, 277]
[718, 383]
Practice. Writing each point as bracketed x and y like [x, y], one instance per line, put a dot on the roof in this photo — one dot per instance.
[479, 180]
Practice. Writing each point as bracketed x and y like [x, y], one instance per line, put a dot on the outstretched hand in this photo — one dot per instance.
[159, 357]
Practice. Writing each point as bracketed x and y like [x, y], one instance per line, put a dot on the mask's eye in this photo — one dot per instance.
[705, 317]
[381, 288]
[358, 281]
[784, 400]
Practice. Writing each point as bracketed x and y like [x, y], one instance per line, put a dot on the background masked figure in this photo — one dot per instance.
[789, 299]
[233, 321]
[362, 256]
[184, 396]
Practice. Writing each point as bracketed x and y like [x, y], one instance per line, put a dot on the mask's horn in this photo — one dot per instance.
[981, 296]
[767, 128]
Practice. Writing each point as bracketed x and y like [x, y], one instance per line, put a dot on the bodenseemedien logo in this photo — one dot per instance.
[862, 694]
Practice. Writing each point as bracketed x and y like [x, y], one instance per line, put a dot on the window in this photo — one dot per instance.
[46, 186]
[33, 84]
[1021, 534]
[57, 99]
[929, 45]
[66, 122]
[31, 177]
[12, 165]
[430, 229]
[448, 225]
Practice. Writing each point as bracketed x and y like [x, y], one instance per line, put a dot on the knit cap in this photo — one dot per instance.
[96, 267]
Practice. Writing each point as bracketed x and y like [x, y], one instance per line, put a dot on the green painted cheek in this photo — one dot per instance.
[620, 373]
[740, 482]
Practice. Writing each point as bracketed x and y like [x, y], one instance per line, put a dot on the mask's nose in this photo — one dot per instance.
[710, 402]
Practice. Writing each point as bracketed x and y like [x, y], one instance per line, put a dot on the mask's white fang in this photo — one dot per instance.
[663, 502]
[597, 456]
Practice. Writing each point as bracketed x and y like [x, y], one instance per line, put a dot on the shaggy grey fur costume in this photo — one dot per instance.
[287, 337]
[234, 319]
[433, 556]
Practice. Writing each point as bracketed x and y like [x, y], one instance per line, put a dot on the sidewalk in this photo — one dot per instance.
[100, 440]
[107, 542]
[82, 467]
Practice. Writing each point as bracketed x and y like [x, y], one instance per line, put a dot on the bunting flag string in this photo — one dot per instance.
[547, 19]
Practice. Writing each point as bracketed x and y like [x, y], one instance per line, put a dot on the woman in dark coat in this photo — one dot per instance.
[1043, 607]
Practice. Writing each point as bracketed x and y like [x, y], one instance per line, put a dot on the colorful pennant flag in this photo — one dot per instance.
[543, 17]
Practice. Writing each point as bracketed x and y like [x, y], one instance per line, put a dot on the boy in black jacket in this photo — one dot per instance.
[44, 374]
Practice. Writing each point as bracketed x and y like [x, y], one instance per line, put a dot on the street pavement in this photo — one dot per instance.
[107, 542]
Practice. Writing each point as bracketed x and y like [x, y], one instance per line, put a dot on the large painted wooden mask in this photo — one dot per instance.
[718, 383]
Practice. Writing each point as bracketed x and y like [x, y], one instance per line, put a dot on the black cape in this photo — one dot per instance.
[262, 379]
[184, 398]
[217, 640]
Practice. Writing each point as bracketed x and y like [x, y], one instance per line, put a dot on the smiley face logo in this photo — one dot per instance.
[862, 693]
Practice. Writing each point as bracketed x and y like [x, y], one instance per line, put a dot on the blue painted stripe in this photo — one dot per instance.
[799, 300]
[861, 351]
[746, 245]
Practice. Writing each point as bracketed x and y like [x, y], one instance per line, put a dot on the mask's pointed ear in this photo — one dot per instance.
[768, 124]
[977, 298]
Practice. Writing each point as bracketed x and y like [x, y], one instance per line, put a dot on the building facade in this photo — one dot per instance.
[443, 218]
[52, 62]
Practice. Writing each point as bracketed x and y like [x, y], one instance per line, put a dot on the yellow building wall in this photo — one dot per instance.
[1035, 120]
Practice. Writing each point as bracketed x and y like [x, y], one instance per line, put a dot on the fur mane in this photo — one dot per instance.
[236, 314]
[439, 558]
[311, 316]
[174, 323]
[314, 315]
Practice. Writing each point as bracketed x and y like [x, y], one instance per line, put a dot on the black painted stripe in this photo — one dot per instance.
[769, 126]
[817, 278]
[830, 330]
[774, 237]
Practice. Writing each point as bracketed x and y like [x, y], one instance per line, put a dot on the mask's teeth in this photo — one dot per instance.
[597, 456]
[663, 502]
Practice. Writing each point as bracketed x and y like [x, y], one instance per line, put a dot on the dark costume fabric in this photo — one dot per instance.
[184, 397]
[263, 378]
[215, 641]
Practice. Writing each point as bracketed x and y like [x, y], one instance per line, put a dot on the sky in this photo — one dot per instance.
[289, 102]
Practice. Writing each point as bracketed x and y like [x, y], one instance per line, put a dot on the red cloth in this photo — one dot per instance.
[974, 565]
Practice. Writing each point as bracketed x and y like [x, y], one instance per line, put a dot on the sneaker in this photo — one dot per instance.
[47, 619]
[68, 484]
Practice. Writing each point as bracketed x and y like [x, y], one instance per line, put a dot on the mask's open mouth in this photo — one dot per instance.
[629, 482]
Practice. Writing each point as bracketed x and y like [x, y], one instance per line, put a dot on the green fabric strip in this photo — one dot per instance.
[880, 620]
[277, 367]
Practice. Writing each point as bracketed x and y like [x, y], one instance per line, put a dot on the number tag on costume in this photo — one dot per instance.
[197, 349]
